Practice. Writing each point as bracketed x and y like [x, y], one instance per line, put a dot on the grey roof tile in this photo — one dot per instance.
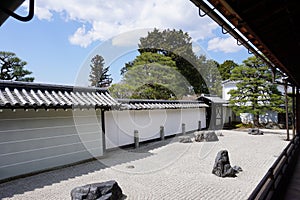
[31, 95]
[137, 104]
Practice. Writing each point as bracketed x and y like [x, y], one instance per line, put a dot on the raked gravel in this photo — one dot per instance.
[162, 170]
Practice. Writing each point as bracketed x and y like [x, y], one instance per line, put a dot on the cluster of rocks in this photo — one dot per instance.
[108, 190]
[185, 139]
[201, 136]
[206, 136]
[255, 131]
[222, 167]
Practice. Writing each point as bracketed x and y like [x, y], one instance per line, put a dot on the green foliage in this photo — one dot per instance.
[121, 90]
[150, 71]
[99, 76]
[178, 46]
[255, 92]
[226, 68]
[212, 77]
[241, 125]
[12, 68]
[153, 91]
[200, 74]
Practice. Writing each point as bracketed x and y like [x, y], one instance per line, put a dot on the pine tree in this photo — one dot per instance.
[226, 68]
[12, 68]
[99, 76]
[255, 93]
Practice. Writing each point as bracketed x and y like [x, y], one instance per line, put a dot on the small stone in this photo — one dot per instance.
[130, 166]
[185, 139]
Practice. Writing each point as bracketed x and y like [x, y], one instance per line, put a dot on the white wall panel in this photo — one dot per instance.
[32, 141]
[120, 125]
[173, 122]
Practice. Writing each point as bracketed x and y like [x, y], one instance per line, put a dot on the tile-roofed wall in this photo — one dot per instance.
[33, 95]
[213, 99]
[140, 104]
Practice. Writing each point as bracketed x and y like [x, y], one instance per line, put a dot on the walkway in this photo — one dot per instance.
[293, 188]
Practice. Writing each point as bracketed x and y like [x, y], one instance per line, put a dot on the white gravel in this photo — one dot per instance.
[162, 170]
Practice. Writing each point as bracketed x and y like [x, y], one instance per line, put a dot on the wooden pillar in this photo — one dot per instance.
[199, 126]
[297, 112]
[162, 132]
[213, 117]
[136, 139]
[183, 128]
[286, 111]
[294, 111]
[103, 130]
[222, 122]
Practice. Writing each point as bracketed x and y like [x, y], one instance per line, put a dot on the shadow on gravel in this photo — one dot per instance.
[47, 178]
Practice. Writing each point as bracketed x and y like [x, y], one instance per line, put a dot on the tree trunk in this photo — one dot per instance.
[256, 120]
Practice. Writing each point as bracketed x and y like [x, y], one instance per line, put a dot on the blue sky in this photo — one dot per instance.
[63, 36]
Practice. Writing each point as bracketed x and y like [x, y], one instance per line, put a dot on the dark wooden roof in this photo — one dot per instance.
[272, 26]
[208, 99]
[11, 5]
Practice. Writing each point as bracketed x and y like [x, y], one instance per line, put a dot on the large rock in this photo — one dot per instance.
[222, 167]
[185, 139]
[207, 136]
[255, 131]
[109, 190]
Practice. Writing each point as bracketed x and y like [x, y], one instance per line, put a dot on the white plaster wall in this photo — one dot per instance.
[32, 141]
[120, 125]
[270, 116]
[172, 124]
[191, 117]
[226, 88]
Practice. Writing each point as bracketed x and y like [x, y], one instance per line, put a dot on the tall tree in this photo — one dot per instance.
[99, 76]
[177, 45]
[12, 68]
[226, 68]
[255, 91]
[154, 73]
[212, 77]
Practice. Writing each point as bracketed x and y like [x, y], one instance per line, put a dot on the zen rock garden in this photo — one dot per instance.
[109, 190]
[222, 167]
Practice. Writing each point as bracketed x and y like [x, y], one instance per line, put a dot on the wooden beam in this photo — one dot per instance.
[286, 111]
[298, 111]
[293, 111]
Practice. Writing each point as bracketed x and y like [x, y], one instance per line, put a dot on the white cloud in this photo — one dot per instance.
[82, 37]
[226, 45]
[43, 13]
[130, 38]
[110, 18]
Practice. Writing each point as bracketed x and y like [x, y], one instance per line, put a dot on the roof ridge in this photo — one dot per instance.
[47, 86]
